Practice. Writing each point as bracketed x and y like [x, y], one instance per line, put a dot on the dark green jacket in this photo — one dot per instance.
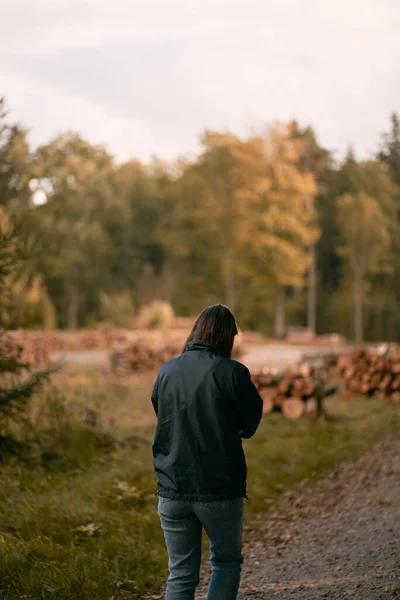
[203, 400]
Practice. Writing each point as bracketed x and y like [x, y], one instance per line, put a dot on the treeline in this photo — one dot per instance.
[270, 225]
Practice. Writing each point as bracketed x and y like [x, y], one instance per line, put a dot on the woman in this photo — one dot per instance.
[205, 403]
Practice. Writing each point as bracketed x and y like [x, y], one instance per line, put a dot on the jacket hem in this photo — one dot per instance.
[199, 496]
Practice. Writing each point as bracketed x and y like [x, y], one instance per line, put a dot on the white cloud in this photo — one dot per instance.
[146, 77]
[55, 110]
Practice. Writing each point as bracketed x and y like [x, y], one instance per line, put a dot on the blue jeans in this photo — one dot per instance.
[182, 522]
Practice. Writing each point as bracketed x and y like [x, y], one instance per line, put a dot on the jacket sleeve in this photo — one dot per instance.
[249, 403]
[154, 396]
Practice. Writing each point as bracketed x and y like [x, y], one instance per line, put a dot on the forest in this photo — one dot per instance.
[273, 225]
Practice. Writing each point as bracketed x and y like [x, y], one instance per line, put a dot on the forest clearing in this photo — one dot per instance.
[209, 184]
[78, 511]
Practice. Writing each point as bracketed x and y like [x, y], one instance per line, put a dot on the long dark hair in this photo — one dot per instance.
[215, 325]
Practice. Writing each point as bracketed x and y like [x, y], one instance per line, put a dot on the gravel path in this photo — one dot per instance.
[278, 355]
[337, 539]
[84, 357]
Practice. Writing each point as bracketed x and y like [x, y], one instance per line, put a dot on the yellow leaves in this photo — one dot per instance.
[249, 199]
[286, 260]
[4, 221]
[244, 196]
[279, 142]
[212, 139]
[19, 147]
[36, 289]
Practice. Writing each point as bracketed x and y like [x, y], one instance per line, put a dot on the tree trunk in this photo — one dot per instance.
[280, 312]
[358, 307]
[312, 291]
[73, 304]
[230, 295]
[169, 279]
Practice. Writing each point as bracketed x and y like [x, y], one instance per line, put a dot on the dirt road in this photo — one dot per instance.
[279, 355]
[337, 539]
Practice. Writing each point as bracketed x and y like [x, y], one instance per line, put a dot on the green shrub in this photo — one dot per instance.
[157, 314]
[117, 309]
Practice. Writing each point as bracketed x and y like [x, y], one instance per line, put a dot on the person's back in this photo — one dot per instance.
[205, 403]
[207, 399]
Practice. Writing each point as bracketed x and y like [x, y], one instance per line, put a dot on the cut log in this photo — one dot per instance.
[385, 383]
[395, 397]
[293, 408]
[284, 385]
[309, 387]
[265, 379]
[364, 388]
[305, 370]
[268, 394]
[312, 406]
[395, 385]
[298, 386]
[140, 356]
[371, 372]
[302, 382]
[279, 400]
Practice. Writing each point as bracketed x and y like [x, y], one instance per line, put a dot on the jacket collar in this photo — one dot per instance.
[202, 346]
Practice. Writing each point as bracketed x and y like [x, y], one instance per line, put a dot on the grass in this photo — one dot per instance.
[79, 520]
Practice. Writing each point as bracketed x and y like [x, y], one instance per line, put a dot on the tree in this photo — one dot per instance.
[289, 223]
[37, 310]
[240, 220]
[190, 240]
[17, 382]
[366, 243]
[336, 289]
[19, 245]
[314, 159]
[389, 153]
[211, 218]
[234, 171]
[72, 174]
[389, 156]
[138, 207]
[14, 163]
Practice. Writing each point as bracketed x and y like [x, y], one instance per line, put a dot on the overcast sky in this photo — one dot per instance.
[146, 76]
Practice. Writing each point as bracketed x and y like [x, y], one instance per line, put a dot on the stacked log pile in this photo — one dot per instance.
[140, 356]
[146, 354]
[372, 372]
[297, 390]
[131, 350]
[35, 350]
[96, 339]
